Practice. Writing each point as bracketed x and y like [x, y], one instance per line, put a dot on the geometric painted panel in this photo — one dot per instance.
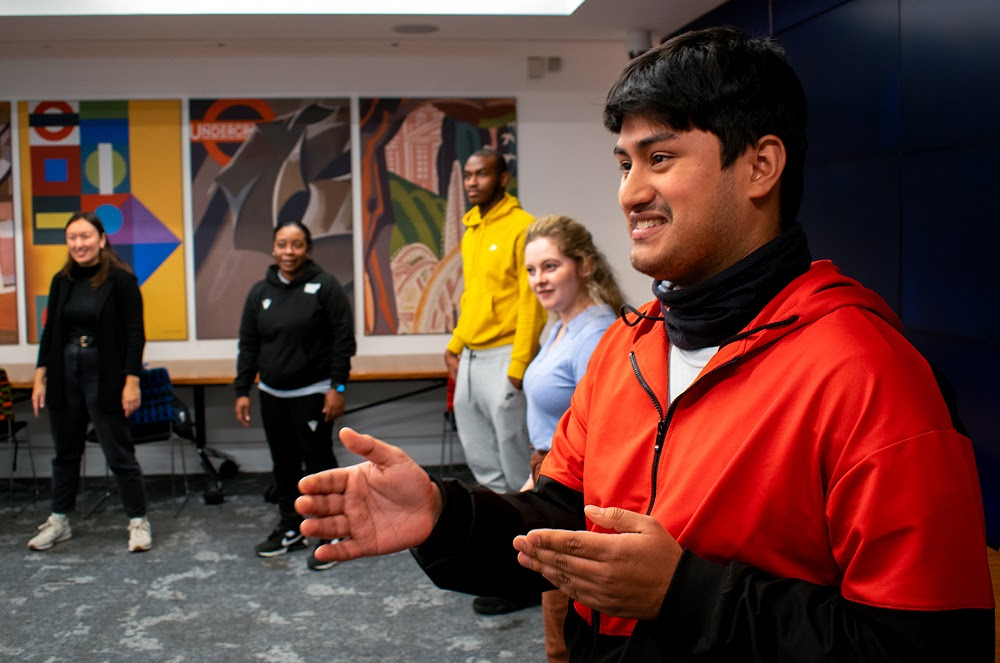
[120, 159]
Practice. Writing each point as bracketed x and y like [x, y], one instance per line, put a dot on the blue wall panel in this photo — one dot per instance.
[787, 13]
[750, 15]
[950, 240]
[849, 233]
[950, 62]
[847, 60]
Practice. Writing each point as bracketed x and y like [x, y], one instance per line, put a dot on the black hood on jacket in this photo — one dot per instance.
[309, 270]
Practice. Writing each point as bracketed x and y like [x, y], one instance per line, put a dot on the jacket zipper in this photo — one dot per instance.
[661, 431]
[661, 426]
[661, 434]
[664, 423]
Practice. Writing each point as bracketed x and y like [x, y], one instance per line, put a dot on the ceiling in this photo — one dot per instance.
[593, 21]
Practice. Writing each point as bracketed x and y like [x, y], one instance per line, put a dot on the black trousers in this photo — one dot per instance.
[298, 438]
[69, 428]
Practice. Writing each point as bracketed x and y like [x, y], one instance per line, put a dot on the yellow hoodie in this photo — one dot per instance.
[498, 307]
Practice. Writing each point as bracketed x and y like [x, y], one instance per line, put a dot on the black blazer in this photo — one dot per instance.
[120, 338]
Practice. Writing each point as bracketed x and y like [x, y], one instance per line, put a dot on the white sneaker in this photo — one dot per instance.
[140, 535]
[52, 531]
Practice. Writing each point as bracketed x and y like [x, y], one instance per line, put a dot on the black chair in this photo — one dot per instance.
[162, 417]
[9, 429]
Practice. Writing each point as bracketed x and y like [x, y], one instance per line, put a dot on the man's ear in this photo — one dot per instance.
[768, 164]
[504, 179]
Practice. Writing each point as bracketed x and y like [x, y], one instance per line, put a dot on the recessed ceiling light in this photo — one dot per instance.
[415, 28]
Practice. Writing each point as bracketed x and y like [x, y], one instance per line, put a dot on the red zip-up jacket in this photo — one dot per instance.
[827, 506]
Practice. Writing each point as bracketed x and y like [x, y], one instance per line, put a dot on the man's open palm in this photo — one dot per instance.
[383, 505]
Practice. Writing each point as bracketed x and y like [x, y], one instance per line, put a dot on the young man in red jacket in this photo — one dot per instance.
[757, 465]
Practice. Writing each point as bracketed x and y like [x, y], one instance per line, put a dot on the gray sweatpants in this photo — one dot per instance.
[491, 418]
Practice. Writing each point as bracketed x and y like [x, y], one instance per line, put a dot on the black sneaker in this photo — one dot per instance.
[317, 565]
[280, 542]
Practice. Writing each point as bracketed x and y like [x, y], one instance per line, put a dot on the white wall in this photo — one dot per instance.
[565, 166]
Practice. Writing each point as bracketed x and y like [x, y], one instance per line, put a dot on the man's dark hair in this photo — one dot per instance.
[721, 81]
[494, 153]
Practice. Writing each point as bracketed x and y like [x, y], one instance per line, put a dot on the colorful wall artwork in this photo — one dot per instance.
[8, 270]
[255, 162]
[413, 203]
[122, 160]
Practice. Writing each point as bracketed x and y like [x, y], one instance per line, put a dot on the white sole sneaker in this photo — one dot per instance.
[140, 535]
[51, 532]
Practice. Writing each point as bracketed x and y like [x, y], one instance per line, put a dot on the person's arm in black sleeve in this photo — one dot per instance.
[470, 548]
[735, 612]
[135, 331]
[338, 308]
[45, 340]
[249, 346]
[40, 385]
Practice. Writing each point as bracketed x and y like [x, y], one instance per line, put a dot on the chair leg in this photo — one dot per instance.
[173, 473]
[444, 432]
[15, 447]
[100, 502]
[108, 492]
[13, 456]
[187, 488]
[448, 441]
[13, 466]
[444, 442]
[35, 492]
[34, 474]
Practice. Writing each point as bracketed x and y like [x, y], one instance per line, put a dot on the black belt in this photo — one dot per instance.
[83, 341]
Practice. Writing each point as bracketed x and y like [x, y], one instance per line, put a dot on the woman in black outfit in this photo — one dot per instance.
[297, 333]
[89, 360]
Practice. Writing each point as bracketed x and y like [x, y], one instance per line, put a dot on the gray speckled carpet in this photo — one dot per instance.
[202, 595]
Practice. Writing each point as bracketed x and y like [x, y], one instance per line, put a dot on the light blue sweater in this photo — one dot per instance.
[553, 374]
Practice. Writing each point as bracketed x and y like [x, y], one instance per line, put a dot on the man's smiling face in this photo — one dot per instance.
[681, 207]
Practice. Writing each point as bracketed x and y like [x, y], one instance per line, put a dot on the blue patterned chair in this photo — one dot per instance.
[162, 417]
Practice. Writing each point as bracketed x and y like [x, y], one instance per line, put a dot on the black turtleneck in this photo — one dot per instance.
[707, 313]
[80, 312]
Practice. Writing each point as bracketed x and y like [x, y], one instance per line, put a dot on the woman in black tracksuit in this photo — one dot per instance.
[297, 334]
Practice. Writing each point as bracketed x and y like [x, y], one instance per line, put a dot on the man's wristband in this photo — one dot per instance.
[340, 388]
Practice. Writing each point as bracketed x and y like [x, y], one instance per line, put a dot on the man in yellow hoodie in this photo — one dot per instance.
[496, 335]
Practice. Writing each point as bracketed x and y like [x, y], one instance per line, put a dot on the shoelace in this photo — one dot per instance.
[144, 526]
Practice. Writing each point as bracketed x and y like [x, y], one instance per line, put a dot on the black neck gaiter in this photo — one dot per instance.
[707, 313]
